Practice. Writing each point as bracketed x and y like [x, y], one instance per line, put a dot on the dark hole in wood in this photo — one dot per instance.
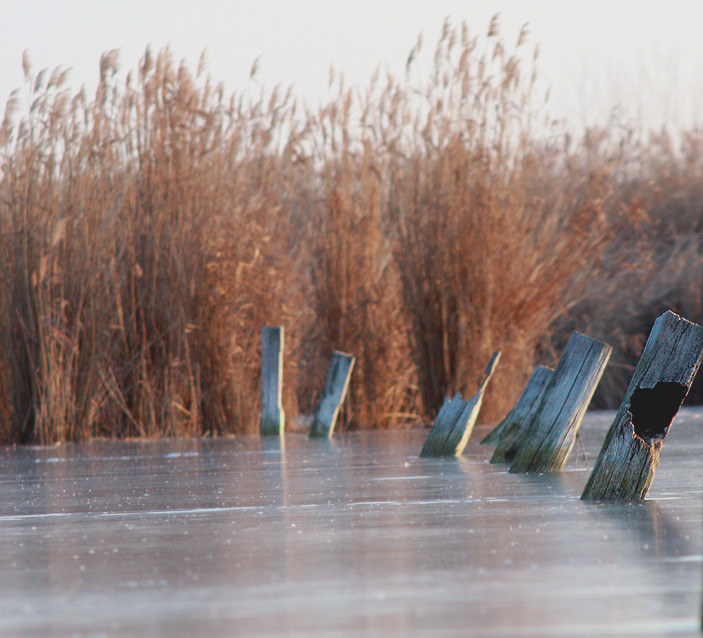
[653, 409]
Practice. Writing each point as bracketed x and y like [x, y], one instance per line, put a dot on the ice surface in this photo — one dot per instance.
[351, 536]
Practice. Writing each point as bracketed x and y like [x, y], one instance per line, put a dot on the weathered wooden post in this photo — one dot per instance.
[333, 394]
[517, 422]
[272, 416]
[528, 401]
[456, 419]
[625, 466]
[551, 433]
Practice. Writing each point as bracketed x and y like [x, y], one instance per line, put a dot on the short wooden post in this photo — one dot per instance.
[333, 394]
[552, 431]
[456, 419]
[521, 411]
[517, 423]
[272, 416]
[625, 466]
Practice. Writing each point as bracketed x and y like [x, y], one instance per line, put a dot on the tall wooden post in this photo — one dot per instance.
[333, 394]
[272, 416]
[522, 410]
[552, 431]
[455, 421]
[625, 466]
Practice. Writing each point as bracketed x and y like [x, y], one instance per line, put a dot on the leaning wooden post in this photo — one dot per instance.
[333, 394]
[517, 423]
[552, 431]
[528, 401]
[455, 421]
[625, 466]
[272, 416]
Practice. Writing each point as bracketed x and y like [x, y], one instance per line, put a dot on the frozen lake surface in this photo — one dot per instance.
[351, 537]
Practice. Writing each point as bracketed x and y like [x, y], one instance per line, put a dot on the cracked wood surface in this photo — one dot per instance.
[551, 433]
[670, 360]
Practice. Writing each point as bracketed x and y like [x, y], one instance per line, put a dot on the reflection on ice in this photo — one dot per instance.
[401, 478]
[354, 536]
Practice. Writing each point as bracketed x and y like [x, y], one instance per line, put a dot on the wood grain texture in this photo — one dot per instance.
[670, 360]
[336, 384]
[551, 433]
[272, 416]
[509, 429]
[456, 419]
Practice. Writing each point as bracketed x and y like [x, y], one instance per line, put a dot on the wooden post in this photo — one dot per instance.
[521, 411]
[455, 421]
[517, 422]
[272, 416]
[552, 431]
[625, 466]
[333, 394]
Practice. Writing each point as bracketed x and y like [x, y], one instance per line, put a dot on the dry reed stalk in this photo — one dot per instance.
[490, 249]
[653, 262]
[355, 292]
[112, 216]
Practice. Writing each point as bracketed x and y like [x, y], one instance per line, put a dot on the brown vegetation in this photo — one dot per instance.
[147, 235]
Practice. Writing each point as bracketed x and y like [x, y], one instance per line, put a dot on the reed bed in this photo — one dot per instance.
[149, 232]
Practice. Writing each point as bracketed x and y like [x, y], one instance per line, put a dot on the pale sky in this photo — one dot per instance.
[643, 56]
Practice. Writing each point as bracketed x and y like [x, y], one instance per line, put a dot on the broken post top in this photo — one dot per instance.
[664, 374]
[666, 361]
[455, 421]
[490, 369]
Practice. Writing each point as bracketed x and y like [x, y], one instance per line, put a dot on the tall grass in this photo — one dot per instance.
[147, 233]
[354, 291]
[130, 224]
[655, 260]
[494, 239]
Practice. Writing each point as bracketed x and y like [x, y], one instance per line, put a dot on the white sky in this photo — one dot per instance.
[641, 55]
